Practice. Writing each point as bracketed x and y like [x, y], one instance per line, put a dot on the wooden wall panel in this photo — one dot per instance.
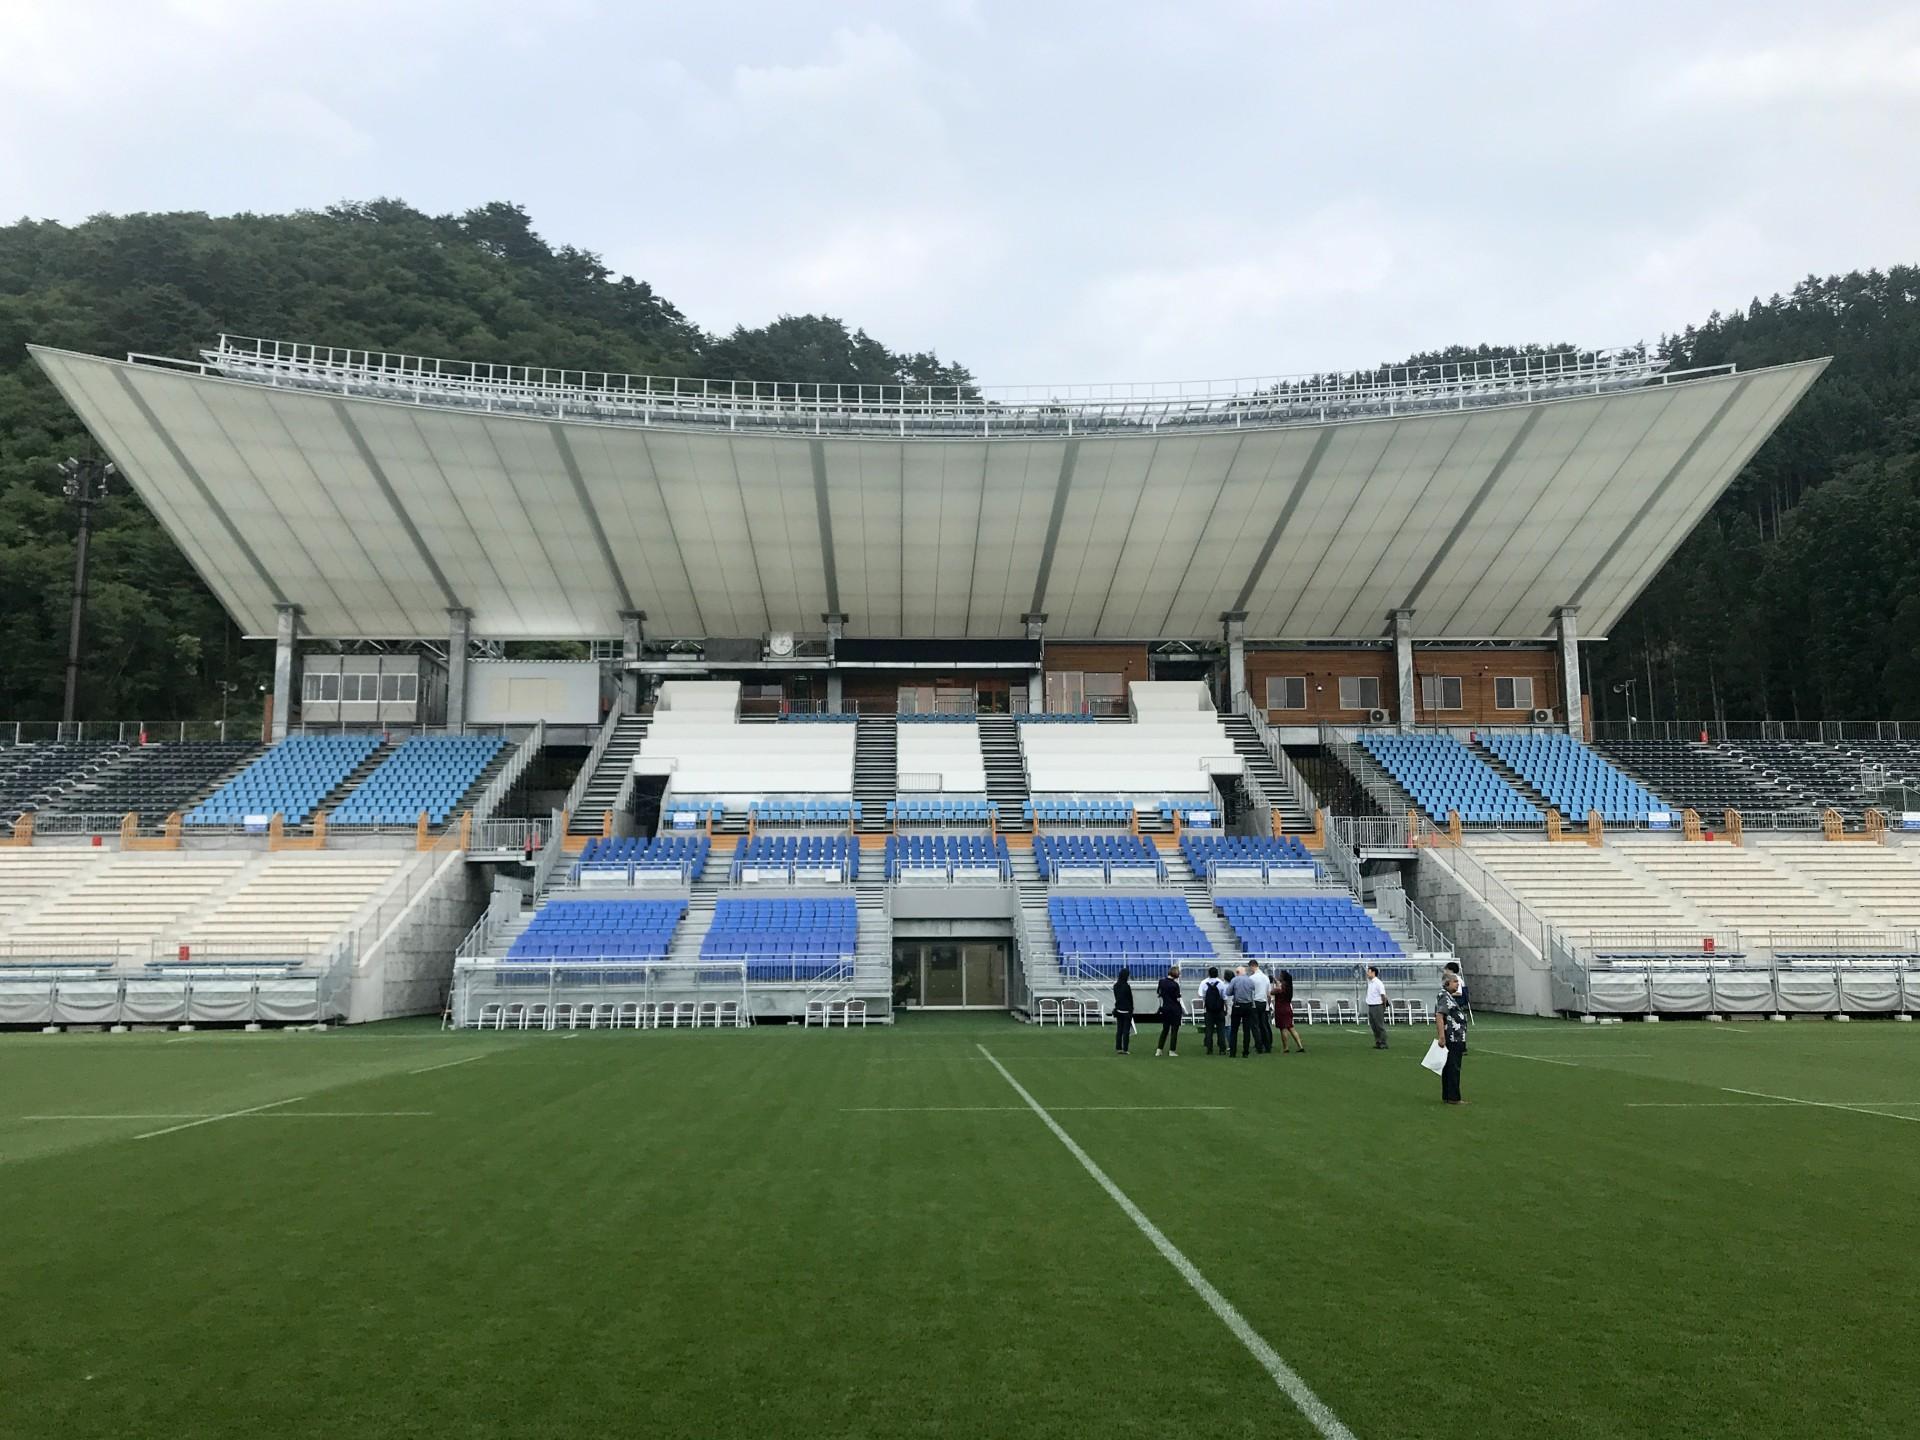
[1127, 660]
[1477, 669]
[1323, 670]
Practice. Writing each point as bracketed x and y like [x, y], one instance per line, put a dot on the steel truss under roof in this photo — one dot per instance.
[376, 512]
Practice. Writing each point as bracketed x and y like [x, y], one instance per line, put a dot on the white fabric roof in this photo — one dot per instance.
[377, 517]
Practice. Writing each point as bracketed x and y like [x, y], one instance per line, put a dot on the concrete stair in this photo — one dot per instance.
[1513, 777]
[1007, 785]
[616, 761]
[876, 769]
[1265, 774]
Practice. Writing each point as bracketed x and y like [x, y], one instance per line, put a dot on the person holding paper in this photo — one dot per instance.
[1450, 1027]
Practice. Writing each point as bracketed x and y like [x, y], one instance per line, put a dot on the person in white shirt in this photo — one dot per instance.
[1377, 1006]
[1262, 1009]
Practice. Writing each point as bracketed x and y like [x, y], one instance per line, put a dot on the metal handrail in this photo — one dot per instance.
[509, 776]
[1364, 769]
[1298, 790]
[944, 410]
[594, 756]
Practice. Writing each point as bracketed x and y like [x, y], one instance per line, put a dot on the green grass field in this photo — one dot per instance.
[786, 1233]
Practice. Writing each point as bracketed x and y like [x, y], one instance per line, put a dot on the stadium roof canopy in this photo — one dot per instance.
[379, 491]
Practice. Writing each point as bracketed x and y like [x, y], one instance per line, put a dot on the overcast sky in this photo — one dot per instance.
[1044, 192]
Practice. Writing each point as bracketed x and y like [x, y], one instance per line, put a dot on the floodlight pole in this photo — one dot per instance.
[85, 484]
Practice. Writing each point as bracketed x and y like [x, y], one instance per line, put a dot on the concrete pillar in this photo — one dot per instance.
[286, 641]
[836, 628]
[459, 631]
[1566, 624]
[1036, 623]
[1235, 623]
[1403, 668]
[630, 623]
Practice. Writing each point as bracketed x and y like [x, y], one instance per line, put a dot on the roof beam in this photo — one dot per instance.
[817, 457]
[1412, 601]
[365, 453]
[1069, 457]
[165, 437]
[1733, 395]
[1300, 484]
[572, 466]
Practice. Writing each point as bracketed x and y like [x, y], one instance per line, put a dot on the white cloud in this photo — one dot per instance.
[1861, 67]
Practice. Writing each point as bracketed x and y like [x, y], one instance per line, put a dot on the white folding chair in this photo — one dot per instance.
[490, 1011]
[859, 1008]
[816, 1014]
[1345, 1012]
[631, 1012]
[1050, 1006]
[707, 1012]
[729, 1015]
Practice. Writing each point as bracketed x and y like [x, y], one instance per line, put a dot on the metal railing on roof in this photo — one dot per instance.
[932, 410]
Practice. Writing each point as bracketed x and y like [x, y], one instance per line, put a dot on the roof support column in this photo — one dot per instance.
[286, 640]
[1036, 623]
[630, 635]
[1234, 623]
[1403, 668]
[459, 631]
[836, 627]
[1566, 625]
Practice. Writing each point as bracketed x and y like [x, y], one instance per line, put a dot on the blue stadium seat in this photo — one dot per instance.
[428, 772]
[1097, 935]
[1052, 851]
[929, 856]
[790, 940]
[1203, 851]
[1100, 810]
[1307, 927]
[1574, 779]
[773, 852]
[656, 852]
[289, 780]
[1441, 775]
[585, 931]
[967, 811]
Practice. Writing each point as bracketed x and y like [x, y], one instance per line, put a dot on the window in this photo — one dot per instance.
[1440, 692]
[1512, 692]
[1105, 694]
[390, 687]
[409, 689]
[1359, 692]
[330, 688]
[1286, 692]
[310, 687]
[354, 689]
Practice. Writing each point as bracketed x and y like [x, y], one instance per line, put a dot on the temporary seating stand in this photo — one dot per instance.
[278, 839]
[1557, 832]
[132, 839]
[1835, 828]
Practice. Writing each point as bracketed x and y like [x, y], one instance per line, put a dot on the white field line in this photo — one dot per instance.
[1309, 1404]
[1763, 1104]
[227, 1115]
[236, 1115]
[449, 1064]
[995, 1110]
[1563, 1057]
[1821, 1104]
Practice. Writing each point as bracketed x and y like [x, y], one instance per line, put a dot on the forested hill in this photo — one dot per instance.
[1799, 599]
[382, 275]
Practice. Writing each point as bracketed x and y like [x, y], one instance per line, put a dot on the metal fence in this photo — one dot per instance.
[518, 994]
[121, 732]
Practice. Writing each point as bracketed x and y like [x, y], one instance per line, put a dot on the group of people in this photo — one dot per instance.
[1243, 1010]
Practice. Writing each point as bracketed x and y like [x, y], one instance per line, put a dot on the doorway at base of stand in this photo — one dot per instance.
[950, 975]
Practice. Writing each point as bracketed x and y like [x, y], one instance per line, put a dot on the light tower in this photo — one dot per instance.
[85, 484]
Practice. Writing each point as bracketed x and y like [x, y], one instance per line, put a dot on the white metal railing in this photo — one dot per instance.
[1371, 832]
[1345, 862]
[1298, 791]
[1366, 771]
[626, 875]
[122, 732]
[1398, 906]
[594, 756]
[1499, 898]
[939, 410]
[502, 784]
[503, 837]
[545, 995]
[551, 853]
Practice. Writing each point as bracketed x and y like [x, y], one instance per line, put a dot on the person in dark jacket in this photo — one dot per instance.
[1213, 1003]
[1123, 1012]
[1170, 1013]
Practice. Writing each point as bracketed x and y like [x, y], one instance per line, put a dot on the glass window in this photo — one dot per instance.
[355, 688]
[1440, 692]
[1513, 692]
[330, 687]
[1286, 692]
[389, 687]
[409, 689]
[1359, 692]
[310, 687]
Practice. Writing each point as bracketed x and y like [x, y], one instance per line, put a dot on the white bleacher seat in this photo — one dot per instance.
[1883, 880]
[1580, 889]
[949, 752]
[296, 901]
[1740, 887]
[697, 741]
[1172, 745]
[128, 900]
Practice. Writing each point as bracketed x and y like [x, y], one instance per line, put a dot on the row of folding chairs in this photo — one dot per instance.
[825, 1012]
[612, 1015]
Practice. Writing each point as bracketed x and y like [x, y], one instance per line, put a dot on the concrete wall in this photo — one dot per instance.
[1501, 969]
[519, 692]
[408, 972]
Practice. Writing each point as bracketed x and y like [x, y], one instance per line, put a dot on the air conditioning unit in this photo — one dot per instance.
[779, 644]
[1376, 717]
[1543, 717]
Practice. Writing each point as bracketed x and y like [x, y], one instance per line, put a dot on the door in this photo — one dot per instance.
[986, 975]
[945, 980]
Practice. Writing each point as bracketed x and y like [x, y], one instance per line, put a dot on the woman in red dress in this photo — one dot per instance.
[1283, 1011]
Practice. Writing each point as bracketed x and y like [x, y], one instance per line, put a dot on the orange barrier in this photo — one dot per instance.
[132, 839]
[22, 831]
[278, 839]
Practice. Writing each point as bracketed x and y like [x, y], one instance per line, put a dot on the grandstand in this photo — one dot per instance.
[903, 698]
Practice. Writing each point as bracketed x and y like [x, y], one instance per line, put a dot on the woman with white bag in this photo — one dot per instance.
[1450, 1038]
